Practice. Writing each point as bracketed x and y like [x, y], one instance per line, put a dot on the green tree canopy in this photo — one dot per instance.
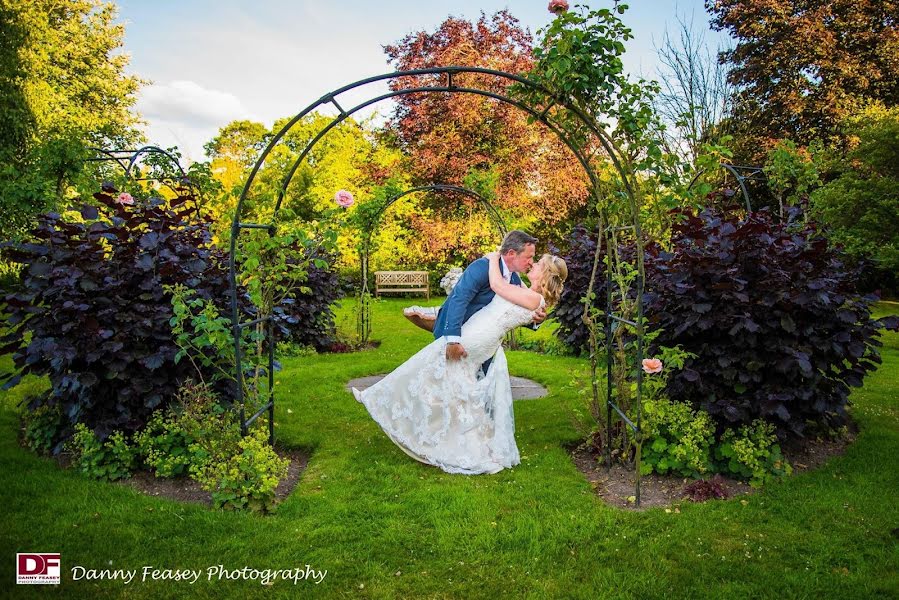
[63, 89]
[860, 205]
[348, 158]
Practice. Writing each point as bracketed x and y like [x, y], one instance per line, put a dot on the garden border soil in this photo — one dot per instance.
[616, 486]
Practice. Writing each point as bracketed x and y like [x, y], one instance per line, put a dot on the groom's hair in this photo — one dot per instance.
[516, 240]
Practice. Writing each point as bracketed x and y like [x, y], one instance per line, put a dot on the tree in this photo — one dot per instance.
[63, 89]
[235, 149]
[800, 66]
[451, 138]
[232, 154]
[579, 58]
[349, 157]
[860, 204]
[792, 173]
[695, 96]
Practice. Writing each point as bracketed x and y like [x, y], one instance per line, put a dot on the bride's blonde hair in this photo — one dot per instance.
[555, 272]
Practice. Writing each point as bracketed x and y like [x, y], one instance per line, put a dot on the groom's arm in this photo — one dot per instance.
[539, 314]
[474, 279]
[539, 317]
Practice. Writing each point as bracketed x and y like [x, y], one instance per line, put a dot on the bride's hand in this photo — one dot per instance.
[492, 255]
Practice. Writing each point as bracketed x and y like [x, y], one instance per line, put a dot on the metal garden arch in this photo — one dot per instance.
[443, 80]
[742, 174]
[127, 159]
[368, 230]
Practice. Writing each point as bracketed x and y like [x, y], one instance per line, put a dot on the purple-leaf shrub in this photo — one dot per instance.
[772, 315]
[569, 311]
[306, 317]
[91, 313]
[706, 489]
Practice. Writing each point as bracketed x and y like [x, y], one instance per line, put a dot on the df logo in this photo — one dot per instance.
[37, 568]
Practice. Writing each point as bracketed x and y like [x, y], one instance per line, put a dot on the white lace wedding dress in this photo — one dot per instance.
[440, 413]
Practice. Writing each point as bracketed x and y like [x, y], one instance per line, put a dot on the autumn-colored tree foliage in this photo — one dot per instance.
[524, 169]
[802, 65]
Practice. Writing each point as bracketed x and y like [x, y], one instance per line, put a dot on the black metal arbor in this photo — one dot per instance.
[742, 174]
[444, 80]
[369, 227]
[128, 159]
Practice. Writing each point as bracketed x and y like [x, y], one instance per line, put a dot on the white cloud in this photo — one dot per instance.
[188, 139]
[189, 102]
[261, 61]
[214, 61]
[280, 69]
[185, 114]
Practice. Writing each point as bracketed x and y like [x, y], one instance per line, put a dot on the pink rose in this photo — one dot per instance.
[125, 198]
[652, 365]
[344, 198]
[557, 7]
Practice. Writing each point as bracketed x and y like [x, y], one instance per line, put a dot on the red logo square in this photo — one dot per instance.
[38, 568]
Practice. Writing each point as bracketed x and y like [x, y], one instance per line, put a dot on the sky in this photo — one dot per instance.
[210, 62]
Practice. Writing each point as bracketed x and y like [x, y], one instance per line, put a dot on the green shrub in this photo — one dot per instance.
[163, 446]
[198, 437]
[186, 433]
[109, 460]
[676, 439]
[859, 203]
[550, 346]
[751, 453]
[246, 478]
[42, 428]
[294, 350]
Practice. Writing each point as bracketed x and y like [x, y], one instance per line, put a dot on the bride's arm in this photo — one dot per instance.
[513, 293]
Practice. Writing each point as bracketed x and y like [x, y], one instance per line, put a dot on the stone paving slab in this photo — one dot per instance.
[522, 389]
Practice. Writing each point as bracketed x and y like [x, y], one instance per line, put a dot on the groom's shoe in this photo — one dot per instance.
[484, 368]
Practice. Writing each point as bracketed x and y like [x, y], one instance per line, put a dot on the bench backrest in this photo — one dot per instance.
[401, 277]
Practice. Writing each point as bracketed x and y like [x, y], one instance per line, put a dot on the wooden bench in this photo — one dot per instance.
[402, 281]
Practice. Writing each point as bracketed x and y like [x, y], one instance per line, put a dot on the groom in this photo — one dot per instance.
[472, 292]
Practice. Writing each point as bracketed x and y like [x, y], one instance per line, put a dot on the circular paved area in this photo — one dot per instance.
[522, 389]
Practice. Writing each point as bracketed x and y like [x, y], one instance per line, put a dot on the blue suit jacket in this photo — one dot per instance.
[471, 294]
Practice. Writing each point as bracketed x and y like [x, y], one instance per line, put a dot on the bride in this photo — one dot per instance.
[439, 412]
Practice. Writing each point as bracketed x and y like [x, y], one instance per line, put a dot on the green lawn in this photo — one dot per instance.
[384, 526]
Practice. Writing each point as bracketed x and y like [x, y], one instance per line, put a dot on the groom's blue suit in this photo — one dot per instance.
[471, 294]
